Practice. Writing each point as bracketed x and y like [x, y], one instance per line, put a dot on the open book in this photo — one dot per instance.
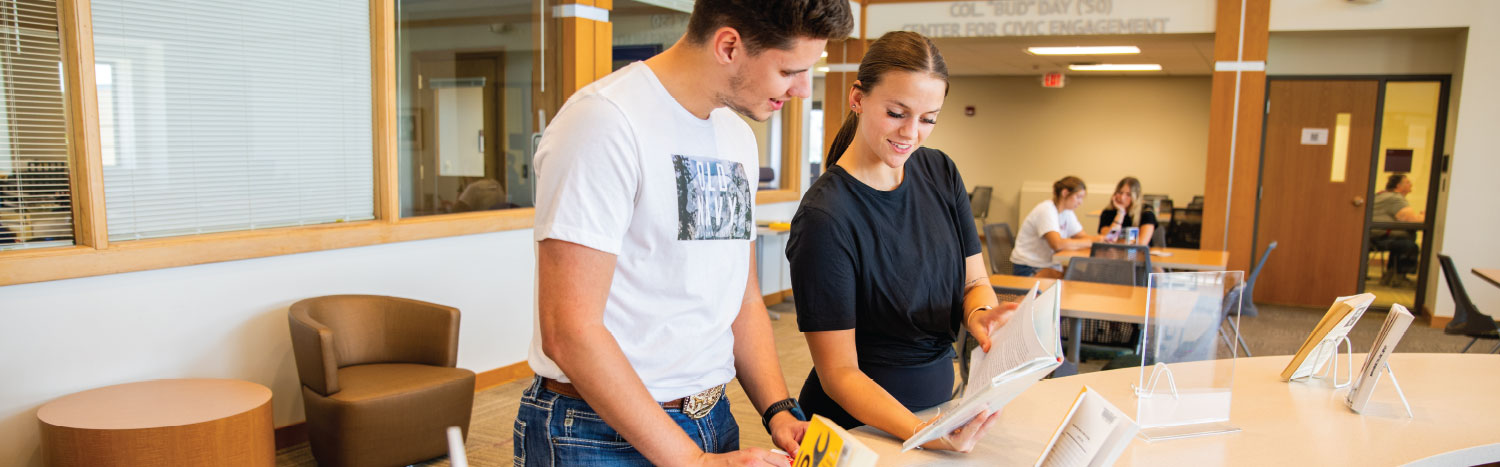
[1094, 433]
[1021, 352]
[826, 444]
[1336, 324]
[1395, 326]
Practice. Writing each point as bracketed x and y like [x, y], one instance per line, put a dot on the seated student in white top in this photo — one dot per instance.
[1049, 228]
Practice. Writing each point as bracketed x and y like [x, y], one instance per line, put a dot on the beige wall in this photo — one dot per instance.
[1426, 51]
[1097, 128]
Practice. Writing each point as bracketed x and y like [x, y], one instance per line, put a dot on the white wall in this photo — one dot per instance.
[1100, 129]
[1466, 218]
[229, 320]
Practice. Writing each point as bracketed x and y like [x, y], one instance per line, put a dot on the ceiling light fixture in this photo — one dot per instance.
[1115, 67]
[1099, 50]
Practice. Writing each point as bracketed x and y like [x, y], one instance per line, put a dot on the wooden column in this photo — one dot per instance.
[586, 46]
[383, 96]
[1236, 114]
[842, 55]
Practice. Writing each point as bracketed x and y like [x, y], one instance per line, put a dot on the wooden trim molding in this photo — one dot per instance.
[47, 264]
[1440, 322]
[383, 94]
[76, 32]
[296, 433]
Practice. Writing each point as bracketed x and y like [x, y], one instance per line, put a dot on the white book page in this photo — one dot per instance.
[1093, 426]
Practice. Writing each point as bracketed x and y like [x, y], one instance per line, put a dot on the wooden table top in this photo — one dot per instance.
[154, 404]
[1452, 396]
[1490, 275]
[1090, 300]
[1174, 258]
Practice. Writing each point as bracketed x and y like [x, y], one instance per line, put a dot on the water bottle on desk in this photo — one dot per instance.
[1131, 233]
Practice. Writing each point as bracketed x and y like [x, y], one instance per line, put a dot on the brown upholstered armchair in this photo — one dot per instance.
[379, 382]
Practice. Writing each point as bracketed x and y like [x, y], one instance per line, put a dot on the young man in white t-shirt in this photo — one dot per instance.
[647, 296]
[1049, 228]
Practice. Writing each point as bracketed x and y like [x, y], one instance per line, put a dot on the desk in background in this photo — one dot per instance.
[1453, 396]
[775, 273]
[1176, 258]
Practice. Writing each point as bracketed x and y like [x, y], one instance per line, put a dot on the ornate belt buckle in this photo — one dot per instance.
[698, 405]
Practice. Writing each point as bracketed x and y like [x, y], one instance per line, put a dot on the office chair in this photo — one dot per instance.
[1000, 241]
[979, 202]
[1237, 294]
[1138, 255]
[1098, 335]
[1247, 299]
[379, 382]
[1467, 320]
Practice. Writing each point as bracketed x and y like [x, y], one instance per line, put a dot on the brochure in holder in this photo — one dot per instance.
[1322, 345]
[1187, 354]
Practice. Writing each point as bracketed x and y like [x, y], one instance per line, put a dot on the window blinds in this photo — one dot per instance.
[35, 203]
[232, 115]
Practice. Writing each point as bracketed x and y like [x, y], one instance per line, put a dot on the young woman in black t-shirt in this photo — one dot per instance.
[885, 258]
[1116, 218]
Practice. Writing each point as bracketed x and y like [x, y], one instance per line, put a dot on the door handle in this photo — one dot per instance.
[481, 141]
[1358, 201]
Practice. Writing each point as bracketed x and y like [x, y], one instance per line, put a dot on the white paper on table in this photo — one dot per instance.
[1093, 433]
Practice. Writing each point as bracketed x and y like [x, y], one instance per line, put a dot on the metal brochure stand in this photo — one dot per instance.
[1327, 352]
[1189, 317]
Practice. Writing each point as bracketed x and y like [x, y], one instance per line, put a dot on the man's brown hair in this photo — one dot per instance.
[771, 24]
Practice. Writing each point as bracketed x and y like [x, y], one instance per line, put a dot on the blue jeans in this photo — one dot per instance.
[1022, 270]
[553, 429]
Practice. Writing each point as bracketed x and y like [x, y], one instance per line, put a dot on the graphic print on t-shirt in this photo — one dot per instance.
[713, 199]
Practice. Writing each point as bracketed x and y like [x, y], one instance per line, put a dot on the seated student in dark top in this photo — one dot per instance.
[1116, 218]
[885, 258]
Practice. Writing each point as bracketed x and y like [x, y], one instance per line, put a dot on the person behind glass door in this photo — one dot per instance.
[647, 299]
[885, 258]
[1049, 228]
[1391, 206]
[1116, 218]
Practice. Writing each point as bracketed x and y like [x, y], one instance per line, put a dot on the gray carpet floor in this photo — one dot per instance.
[1276, 331]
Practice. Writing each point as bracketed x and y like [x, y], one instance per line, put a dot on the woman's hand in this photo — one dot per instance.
[964, 438]
[984, 322]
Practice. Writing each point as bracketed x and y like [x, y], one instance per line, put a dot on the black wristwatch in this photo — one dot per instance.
[789, 405]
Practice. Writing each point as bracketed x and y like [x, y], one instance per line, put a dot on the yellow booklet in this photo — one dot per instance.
[828, 445]
[1335, 324]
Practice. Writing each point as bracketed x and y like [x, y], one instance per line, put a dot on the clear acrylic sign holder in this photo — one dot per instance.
[1187, 354]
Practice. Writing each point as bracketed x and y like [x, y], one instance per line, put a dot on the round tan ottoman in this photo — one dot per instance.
[209, 422]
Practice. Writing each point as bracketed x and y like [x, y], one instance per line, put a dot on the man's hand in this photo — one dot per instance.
[982, 323]
[787, 431]
[747, 457]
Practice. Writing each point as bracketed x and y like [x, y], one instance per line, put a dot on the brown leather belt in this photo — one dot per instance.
[695, 406]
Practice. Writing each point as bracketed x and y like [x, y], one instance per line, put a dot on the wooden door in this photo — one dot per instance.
[479, 71]
[1314, 179]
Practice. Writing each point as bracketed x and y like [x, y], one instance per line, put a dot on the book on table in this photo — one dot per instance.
[1023, 351]
[1334, 326]
[1396, 323]
[1093, 433]
[826, 444]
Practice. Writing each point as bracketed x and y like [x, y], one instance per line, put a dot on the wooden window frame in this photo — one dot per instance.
[583, 57]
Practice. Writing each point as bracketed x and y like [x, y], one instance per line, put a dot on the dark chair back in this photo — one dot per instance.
[979, 201]
[999, 239]
[1467, 319]
[1105, 270]
[1137, 255]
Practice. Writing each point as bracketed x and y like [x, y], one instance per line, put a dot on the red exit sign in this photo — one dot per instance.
[1053, 80]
